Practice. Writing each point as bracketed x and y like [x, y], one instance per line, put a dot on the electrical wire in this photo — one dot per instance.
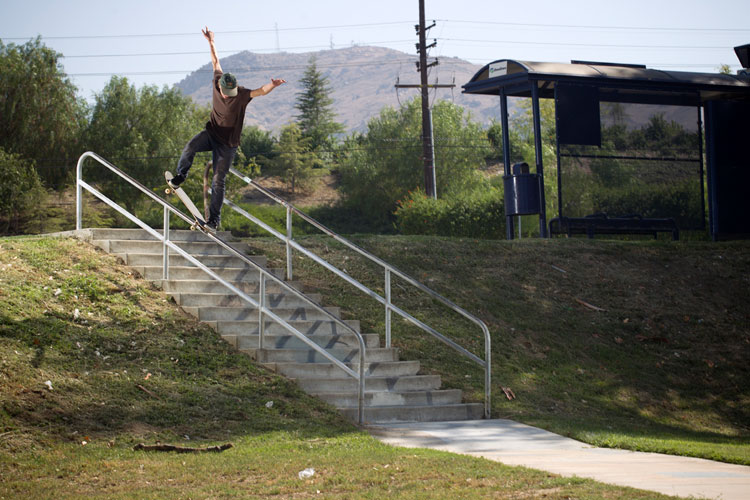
[233, 32]
[202, 52]
[602, 27]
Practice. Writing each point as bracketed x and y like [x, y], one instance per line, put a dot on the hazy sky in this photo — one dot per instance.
[159, 42]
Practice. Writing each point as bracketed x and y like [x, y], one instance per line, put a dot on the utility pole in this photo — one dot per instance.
[428, 142]
[428, 149]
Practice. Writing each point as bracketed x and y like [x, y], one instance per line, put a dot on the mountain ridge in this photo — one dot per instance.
[362, 81]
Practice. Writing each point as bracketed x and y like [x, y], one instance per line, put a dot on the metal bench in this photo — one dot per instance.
[603, 224]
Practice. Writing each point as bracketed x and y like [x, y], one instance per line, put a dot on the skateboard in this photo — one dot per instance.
[198, 223]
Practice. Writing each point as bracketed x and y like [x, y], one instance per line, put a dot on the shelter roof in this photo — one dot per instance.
[616, 82]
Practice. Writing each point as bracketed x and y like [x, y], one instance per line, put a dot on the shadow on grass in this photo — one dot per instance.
[158, 382]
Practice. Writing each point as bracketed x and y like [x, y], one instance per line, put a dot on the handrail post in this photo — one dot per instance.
[487, 379]
[387, 308]
[165, 246]
[79, 193]
[288, 244]
[261, 308]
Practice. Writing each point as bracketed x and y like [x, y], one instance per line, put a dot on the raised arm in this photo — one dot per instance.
[214, 58]
[265, 89]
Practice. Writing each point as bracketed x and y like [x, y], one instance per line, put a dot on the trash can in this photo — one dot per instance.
[521, 191]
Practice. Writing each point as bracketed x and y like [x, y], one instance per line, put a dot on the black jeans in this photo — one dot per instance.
[222, 156]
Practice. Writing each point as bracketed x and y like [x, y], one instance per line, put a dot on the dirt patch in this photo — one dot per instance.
[325, 192]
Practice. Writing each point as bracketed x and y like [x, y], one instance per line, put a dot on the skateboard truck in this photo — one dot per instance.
[198, 222]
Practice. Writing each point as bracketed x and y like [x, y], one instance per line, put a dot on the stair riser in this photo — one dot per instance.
[140, 234]
[217, 300]
[417, 413]
[311, 371]
[394, 384]
[250, 314]
[156, 247]
[218, 261]
[250, 328]
[378, 399]
[194, 273]
[312, 356]
[291, 342]
[210, 286]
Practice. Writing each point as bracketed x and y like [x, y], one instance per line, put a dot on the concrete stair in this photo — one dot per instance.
[395, 391]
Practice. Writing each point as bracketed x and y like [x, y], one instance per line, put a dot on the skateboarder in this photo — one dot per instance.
[222, 133]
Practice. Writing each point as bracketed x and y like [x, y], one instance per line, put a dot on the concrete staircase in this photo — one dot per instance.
[394, 389]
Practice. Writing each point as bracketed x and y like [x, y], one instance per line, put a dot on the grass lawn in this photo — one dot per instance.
[94, 360]
[660, 365]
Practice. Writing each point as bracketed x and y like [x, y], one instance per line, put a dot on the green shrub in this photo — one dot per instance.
[475, 215]
[681, 201]
[21, 192]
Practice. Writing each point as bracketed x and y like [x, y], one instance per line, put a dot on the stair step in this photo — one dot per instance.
[382, 384]
[175, 259]
[436, 413]
[250, 313]
[187, 273]
[288, 341]
[347, 355]
[312, 327]
[142, 234]
[212, 286]
[273, 300]
[378, 399]
[156, 247]
[328, 370]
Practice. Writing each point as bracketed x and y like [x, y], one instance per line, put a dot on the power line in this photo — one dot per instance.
[597, 45]
[583, 26]
[266, 68]
[232, 51]
[234, 32]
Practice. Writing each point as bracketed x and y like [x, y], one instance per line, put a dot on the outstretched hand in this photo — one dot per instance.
[208, 34]
[277, 82]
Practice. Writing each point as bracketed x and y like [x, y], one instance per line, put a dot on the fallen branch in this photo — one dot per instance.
[147, 391]
[180, 449]
[590, 306]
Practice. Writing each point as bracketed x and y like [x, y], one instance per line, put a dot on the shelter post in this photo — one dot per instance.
[506, 154]
[539, 162]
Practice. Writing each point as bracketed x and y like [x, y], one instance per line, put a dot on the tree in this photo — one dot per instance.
[385, 164]
[315, 104]
[41, 115]
[20, 191]
[257, 145]
[142, 132]
[293, 161]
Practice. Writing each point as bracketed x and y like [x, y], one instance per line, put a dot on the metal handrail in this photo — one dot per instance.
[388, 269]
[263, 311]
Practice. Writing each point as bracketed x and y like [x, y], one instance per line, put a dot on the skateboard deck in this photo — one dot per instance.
[185, 199]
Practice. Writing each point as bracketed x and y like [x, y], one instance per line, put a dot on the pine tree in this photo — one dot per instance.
[292, 161]
[315, 104]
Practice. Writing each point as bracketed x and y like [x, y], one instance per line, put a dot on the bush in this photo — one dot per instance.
[385, 164]
[681, 201]
[21, 192]
[475, 215]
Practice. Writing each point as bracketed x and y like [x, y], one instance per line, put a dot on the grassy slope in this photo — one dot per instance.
[93, 360]
[662, 368]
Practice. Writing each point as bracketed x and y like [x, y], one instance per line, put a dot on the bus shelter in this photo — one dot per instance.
[629, 146]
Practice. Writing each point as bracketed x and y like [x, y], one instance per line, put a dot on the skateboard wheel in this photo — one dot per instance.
[168, 191]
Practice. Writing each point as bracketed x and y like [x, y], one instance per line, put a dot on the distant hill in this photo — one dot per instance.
[362, 81]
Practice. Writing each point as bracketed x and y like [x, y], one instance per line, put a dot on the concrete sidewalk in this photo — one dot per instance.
[512, 443]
